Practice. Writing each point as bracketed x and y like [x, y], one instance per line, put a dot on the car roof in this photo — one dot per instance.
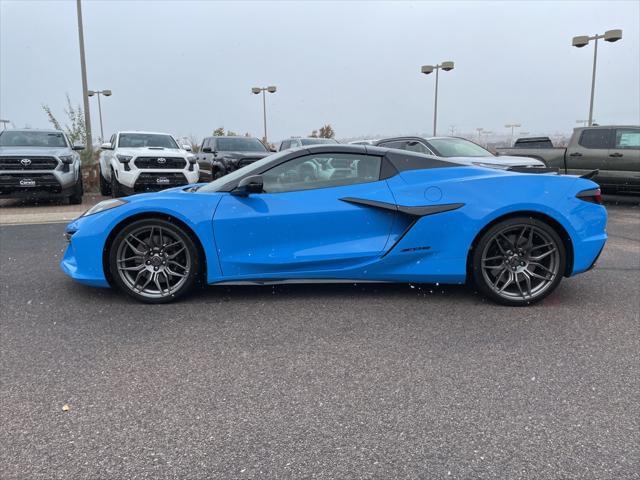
[26, 130]
[146, 133]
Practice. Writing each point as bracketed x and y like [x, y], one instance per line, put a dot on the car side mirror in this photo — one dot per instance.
[77, 146]
[186, 147]
[106, 146]
[248, 185]
[206, 149]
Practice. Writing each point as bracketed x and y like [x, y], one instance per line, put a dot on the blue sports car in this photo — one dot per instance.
[346, 213]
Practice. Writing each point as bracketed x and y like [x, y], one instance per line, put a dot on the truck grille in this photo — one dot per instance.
[151, 182]
[160, 162]
[246, 161]
[28, 163]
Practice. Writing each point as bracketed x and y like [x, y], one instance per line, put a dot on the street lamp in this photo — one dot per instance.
[512, 126]
[427, 69]
[582, 41]
[256, 91]
[106, 93]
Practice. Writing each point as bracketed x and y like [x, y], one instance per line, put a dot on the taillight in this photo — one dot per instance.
[592, 195]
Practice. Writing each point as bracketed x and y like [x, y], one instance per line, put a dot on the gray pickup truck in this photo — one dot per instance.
[613, 150]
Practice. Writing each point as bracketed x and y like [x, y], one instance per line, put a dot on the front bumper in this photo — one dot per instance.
[36, 183]
[146, 180]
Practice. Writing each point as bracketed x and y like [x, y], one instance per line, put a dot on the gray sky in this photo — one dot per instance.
[187, 67]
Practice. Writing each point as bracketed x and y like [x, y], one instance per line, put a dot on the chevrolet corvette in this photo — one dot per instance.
[342, 213]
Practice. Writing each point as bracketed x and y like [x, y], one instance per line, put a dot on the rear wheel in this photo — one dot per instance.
[519, 261]
[154, 261]
[105, 188]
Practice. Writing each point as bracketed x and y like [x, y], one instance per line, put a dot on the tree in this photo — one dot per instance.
[326, 132]
[75, 128]
[218, 132]
[314, 134]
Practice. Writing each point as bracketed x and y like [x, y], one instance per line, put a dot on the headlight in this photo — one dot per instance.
[66, 159]
[104, 205]
[191, 158]
[491, 165]
[124, 158]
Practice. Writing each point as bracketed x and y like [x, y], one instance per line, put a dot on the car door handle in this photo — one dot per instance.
[575, 154]
[615, 154]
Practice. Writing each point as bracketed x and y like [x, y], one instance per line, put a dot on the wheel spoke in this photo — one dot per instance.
[175, 254]
[527, 281]
[543, 255]
[536, 275]
[135, 250]
[137, 268]
[502, 272]
[535, 264]
[123, 260]
[507, 283]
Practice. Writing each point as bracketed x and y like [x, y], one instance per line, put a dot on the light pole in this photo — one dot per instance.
[512, 126]
[427, 69]
[582, 41]
[83, 68]
[106, 93]
[257, 90]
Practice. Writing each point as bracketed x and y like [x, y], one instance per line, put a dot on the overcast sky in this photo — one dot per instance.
[188, 67]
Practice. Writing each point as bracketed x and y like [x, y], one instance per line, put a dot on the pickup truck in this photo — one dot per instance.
[613, 150]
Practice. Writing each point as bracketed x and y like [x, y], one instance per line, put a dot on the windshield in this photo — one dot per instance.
[10, 138]
[256, 167]
[317, 141]
[143, 140]
[458, 147]
[240, 144]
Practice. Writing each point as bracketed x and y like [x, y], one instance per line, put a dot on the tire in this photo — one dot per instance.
[105, 187]
[78, 190]
[116, 190]
[135, 261]
[518, 261]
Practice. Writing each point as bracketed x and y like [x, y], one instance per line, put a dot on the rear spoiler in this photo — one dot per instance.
[533, 169]
[591, 174]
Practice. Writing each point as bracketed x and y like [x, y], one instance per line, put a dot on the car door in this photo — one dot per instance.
[590, 153]
[623, 162]
[301, 226]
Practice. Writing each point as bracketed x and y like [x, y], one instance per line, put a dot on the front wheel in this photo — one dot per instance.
[154, 261]
[116, 189]
[105, 187]
[519, 261]
[78, 190]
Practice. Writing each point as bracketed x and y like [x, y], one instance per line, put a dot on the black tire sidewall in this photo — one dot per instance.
[479, 280]
[178, 230]
[115, 185]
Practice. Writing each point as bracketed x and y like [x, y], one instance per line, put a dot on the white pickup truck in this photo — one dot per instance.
[137, 162]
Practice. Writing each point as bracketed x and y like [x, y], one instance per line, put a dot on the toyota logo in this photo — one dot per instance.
[25, 162]
[162, 160]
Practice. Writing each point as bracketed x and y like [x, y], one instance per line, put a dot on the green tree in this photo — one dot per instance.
[218, 132]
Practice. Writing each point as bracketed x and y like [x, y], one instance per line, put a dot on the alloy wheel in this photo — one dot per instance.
[520, 262]
[153, 261]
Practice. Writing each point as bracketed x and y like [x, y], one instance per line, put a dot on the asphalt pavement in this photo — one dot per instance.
[344, 381]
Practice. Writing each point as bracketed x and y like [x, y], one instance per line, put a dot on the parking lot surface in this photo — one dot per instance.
[318, 381]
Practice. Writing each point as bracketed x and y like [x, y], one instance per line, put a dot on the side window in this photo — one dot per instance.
[284, 145]
[112, 140]
[596, 138]
[627, 138]
[415, 146]
[399, 145]
[322, 171]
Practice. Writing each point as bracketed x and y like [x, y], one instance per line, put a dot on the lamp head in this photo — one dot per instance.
[256, 90]
[612, 35]
[427, 69]
[271, 89]
[580, 41]
[446, 66]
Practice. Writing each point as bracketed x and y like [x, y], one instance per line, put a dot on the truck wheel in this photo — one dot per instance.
[105, 188]
[519, 261]
[78, 190]
[116, 191]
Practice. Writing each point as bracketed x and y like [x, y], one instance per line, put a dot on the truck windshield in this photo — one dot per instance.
[145, 140]
[10, 138]
[458, 147]
[240, 144]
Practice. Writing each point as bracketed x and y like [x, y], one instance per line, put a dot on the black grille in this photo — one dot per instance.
[25, 181]
[148, 182]
[33, 163]
[157, 162]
